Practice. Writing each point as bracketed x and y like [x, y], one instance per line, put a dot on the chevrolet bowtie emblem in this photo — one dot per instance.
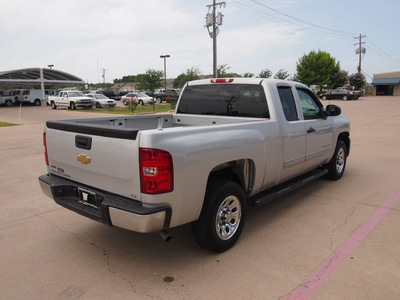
[84, 159]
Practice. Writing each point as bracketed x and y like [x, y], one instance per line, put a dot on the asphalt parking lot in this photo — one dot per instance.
[328, 240]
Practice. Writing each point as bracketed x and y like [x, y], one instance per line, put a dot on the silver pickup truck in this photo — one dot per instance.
[230, 142]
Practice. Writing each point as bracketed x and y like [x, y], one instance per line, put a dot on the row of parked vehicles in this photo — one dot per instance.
[74, 99]
[17, 96]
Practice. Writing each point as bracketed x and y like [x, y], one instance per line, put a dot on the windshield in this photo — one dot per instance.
[141, 94]
[100, 96]
[242, 100]
[76, 94]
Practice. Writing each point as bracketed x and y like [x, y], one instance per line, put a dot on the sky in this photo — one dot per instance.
[127, 37]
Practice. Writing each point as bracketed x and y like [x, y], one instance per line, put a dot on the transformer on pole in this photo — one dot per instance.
[214, 20]
[360, 50]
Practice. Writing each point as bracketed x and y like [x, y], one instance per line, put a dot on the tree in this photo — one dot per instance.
[357, 81]
[282, 74]
[317, 68]
[339, 79]
[149, 81]
[248, 75]
[191, 74]
[265, 73]
[222, 71]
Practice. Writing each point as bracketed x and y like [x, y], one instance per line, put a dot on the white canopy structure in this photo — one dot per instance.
[37, 76]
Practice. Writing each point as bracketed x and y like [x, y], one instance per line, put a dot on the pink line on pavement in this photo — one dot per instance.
[321, 274]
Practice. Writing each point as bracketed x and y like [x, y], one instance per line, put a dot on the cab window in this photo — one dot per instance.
[310, 105]
[288, 103]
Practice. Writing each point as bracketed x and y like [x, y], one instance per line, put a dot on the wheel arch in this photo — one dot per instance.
[345, 137]
[241, 171]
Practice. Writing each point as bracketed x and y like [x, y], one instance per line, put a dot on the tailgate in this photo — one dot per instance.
[96, 156]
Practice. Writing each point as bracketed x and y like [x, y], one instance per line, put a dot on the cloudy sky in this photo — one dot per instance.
[127, 37]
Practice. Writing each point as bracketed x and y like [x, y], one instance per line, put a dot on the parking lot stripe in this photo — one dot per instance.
[325, 270]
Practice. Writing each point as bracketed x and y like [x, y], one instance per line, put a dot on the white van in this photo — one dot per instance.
[30, 96]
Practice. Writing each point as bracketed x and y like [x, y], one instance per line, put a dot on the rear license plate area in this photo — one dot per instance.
[88, 198]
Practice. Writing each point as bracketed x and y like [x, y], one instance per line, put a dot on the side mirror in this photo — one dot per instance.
[333, 110]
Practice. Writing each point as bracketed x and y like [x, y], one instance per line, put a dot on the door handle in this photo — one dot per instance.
[310, 130]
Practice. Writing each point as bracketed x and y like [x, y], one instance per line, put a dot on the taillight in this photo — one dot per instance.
[221, 80]
[46, 157]
[156, 171]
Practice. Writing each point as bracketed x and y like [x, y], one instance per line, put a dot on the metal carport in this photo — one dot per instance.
[37, 76]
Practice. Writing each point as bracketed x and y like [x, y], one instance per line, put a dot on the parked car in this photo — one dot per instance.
[340, 93]
[109, 94]
[139, 97]
[71, 99]
[164, 96]
[101, 101]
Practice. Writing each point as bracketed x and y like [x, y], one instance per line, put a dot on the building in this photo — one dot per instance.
[387, 84]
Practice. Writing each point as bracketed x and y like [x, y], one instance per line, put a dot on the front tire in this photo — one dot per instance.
[72, 106]
[98, 105]
[223, 216]
[337, 164]
[53, 105]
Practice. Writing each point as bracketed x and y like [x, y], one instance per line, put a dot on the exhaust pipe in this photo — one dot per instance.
[165, 235]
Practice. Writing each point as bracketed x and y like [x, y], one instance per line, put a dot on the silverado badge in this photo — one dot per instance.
[84, 159]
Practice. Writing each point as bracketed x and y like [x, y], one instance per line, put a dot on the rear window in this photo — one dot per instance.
[241, 100]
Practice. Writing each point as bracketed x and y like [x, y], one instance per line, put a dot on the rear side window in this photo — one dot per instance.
[288, 104]
[241, 100]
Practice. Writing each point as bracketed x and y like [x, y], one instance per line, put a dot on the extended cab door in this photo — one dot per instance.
[318, 129]
[294, 139]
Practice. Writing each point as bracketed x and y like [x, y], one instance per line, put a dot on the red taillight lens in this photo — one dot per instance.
[156, 171]
[221, 80]
[45, 148]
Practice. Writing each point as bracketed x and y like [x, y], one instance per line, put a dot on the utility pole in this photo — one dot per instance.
[360, 49]
[103, 74]
[214, 20]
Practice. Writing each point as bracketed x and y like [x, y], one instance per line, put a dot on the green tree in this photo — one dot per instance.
[265, 73]
[357, 81]
[248, 75]
[191, 74]
[222, 71]
[149, 81]
[339, 79]
[282, 74]
[317, 68]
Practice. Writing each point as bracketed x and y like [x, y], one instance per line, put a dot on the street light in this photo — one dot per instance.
[165, 72]
[50, 66]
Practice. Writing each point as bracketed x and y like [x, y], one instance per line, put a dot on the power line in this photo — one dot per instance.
[305, 22]
[381, 52]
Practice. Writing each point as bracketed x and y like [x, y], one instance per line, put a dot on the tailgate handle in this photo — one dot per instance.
[83, 142]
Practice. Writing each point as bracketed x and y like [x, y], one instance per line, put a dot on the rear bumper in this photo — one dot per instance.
[104, 207]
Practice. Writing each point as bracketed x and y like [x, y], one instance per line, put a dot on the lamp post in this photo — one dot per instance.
[165, 72]
[50, 66]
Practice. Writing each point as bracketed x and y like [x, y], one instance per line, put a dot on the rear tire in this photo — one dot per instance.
[223, 216]
[37, 102]
[9, 103]
[337, 164]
